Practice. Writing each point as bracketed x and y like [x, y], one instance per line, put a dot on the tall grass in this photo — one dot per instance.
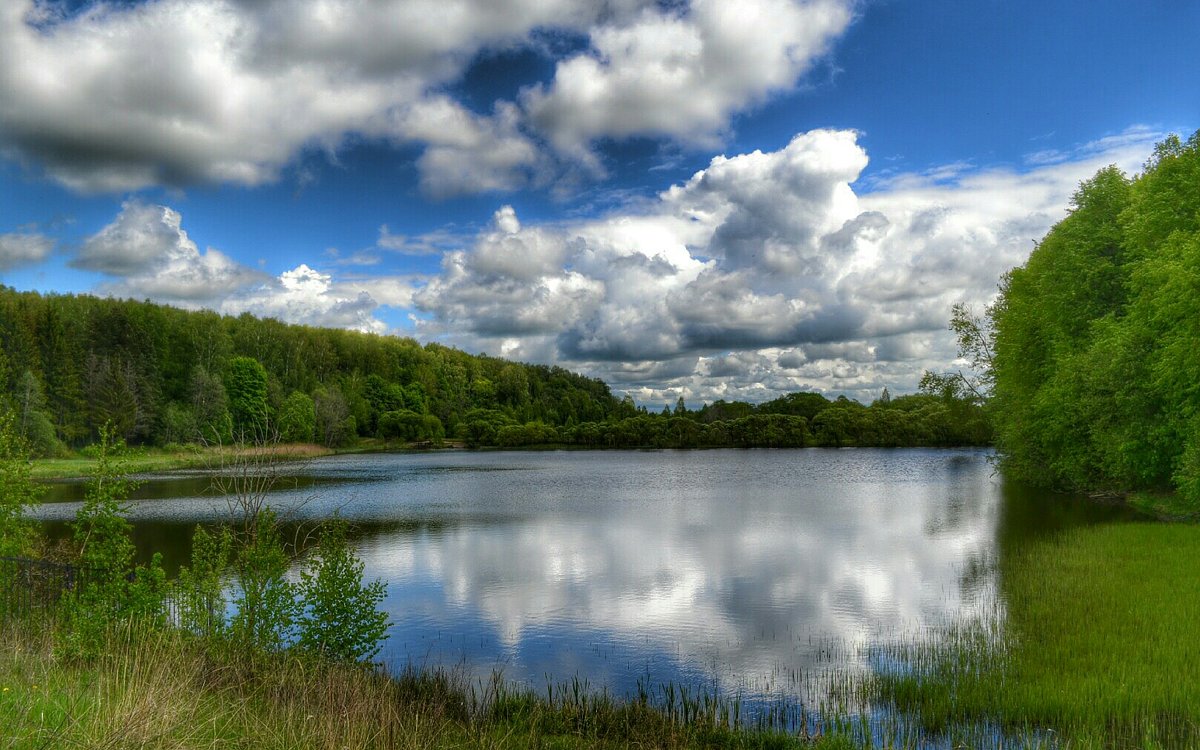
[1098, 645]
[155, 688]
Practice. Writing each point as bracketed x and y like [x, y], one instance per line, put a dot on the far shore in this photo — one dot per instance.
[148, 460]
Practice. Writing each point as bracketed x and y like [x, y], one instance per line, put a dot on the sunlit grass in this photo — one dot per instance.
[1097, 646]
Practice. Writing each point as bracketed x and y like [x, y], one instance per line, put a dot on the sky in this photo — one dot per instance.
[698, 198]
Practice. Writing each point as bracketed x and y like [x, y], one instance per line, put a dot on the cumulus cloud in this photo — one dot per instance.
[466, 152]
[309, 297]
[764, 272]
[682, 71]
[148, 254]
[23, 249]
[152, 256]
[121, 96]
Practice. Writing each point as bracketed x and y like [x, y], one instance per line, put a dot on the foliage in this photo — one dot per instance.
[178, 425]
[100, 359]
[246, 387]
[210, 407]
[264, 599]
[335, 425]
[162, 690]
[340, 619]
[1097, 372]
[112, 587]
[200, 589]
[32, 421]
[18, 493]
[297, 418]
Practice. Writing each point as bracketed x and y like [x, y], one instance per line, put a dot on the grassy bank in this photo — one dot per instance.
[1098, 647]
[147, 460]
[163, 689]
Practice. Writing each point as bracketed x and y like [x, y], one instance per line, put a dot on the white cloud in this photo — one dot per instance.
[151, 256]
[23, 249]
[118, 97]
[465, 152]
[437, 242]
[681, 72]
[764, 272]
[309, 297]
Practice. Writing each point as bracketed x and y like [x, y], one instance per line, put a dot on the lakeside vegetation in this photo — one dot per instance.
[1096, 367]
[160, 689]
[1094, 645]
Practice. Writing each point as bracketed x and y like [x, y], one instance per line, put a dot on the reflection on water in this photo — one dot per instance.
[747, 570]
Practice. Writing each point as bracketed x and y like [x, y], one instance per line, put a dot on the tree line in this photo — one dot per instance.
[70, 364]
[1097, 337]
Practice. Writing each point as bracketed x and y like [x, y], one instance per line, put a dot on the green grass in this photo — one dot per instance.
[164, 689]
[146, 460]
[1098, 645]
[1169, 506]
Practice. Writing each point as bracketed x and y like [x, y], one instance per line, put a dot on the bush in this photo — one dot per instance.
[111, 588]
[17, 490]
[340, 620]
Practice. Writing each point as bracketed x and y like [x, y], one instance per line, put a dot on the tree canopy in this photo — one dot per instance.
[1097, 336]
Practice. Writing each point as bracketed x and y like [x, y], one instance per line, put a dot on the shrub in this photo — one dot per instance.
[341, 618]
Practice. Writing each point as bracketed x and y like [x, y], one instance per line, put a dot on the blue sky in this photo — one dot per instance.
[697, 198]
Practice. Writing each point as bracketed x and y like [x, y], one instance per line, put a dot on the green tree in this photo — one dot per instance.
[335, 426]
[200, 588]
[35, 425]
[246, 387]
[1096, 368]
[297, 418]
[210, 407]
[265, 600]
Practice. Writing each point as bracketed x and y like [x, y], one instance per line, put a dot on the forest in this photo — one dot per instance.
[1097, 337]
[70, 364]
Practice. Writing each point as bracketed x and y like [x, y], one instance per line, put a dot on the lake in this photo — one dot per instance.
[754, 573]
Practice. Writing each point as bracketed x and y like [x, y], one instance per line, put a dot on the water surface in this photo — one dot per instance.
[750, 572]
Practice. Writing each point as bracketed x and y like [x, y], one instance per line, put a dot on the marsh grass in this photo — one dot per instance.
[1096, 647]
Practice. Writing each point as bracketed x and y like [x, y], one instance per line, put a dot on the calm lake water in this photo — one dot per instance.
[749, 572]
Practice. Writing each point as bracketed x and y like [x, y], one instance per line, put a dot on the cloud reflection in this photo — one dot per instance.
[737, 582]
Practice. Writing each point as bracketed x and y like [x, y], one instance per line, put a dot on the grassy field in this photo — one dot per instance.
[1098, 646]
[163, 689]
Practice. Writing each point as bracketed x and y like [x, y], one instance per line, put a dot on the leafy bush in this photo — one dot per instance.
[340, 618]
[111, 587]
[17, 490]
